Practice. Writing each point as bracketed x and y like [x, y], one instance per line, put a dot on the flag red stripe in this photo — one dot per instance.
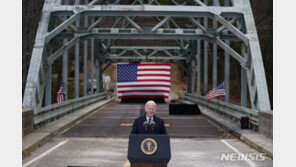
[153, 80]
[215, 97]
[125, 86]
[212, 93]
[125, 91]
[154, 69]
[142, 96]
[162, 75]
[155, 64]
[215, 93]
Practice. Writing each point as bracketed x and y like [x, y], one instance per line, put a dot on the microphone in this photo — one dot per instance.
[152, 124]
[146, 124]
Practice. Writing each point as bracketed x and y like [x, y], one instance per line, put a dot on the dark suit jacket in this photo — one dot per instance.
[138, 127]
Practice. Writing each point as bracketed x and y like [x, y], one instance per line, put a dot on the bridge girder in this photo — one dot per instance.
[233, 22]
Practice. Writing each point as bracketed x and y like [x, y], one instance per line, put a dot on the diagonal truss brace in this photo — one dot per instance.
[197, 24]
[161, 23]
[232, 52]
[59, 52]
[74, 28]
[199, 3]
[61, 27]
[233, 29]
[133, 23]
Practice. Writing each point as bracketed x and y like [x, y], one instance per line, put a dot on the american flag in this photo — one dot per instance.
[61, 94]
[143, 80]
[216, 92]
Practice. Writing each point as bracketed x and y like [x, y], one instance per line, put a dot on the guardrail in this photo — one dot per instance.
[45, 115]
[231, 110]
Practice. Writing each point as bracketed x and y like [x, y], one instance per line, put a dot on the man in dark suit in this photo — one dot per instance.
[154, 124]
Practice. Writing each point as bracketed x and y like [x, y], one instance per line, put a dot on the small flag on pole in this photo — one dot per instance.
[61, 94]
[219, 91]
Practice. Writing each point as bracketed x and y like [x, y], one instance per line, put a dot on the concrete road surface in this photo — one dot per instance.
[99, 140]
[106, 152]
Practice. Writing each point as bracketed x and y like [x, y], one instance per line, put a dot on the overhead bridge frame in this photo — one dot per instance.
[204, 24]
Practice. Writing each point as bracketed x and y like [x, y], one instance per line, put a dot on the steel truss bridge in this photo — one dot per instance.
[178, 31]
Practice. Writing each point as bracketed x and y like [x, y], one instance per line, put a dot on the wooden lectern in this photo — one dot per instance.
[149, 150]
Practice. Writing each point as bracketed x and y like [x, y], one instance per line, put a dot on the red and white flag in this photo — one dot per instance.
[219, 91]
[143, 80]
[61, 94]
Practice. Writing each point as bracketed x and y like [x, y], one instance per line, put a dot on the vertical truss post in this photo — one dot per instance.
[205, 55]
[98, 73]
[65, 69]
[205, 66]
[92, 63]
[244, 88]
[48, 86]
[215, 52]
[190, 85]
[227, 74]
[214, 64]
[85, 57]
[189, 88]
[198, 76]
[65, 63]
[77, 64]
[98, 53]
[101, 89]
[227, 67]
[226, 3]
[193, 53]
[244, 79]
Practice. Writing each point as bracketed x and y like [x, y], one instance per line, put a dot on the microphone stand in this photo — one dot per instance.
[149, 127]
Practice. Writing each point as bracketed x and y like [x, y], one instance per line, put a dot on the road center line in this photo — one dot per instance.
[48, 151]
[235, 150]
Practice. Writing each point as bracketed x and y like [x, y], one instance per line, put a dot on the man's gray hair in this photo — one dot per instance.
[150, 102]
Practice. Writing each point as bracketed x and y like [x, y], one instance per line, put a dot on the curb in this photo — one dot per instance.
[41, 136]
[247, 136]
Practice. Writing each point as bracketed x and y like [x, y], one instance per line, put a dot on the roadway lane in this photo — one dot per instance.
[106, 152]
[106, 123]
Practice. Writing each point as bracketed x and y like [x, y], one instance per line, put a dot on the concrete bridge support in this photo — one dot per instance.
[266, 123]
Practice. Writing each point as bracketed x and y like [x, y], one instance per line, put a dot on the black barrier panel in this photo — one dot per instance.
[161, 155]
[142, 100]
[244, 122]
[184, 109]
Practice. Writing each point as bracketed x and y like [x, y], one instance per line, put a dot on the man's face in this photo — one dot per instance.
[150, 110]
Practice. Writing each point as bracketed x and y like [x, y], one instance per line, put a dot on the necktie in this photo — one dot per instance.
[149, 120]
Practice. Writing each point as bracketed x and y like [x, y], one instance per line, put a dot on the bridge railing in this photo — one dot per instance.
[230, 110]
[45, 115]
